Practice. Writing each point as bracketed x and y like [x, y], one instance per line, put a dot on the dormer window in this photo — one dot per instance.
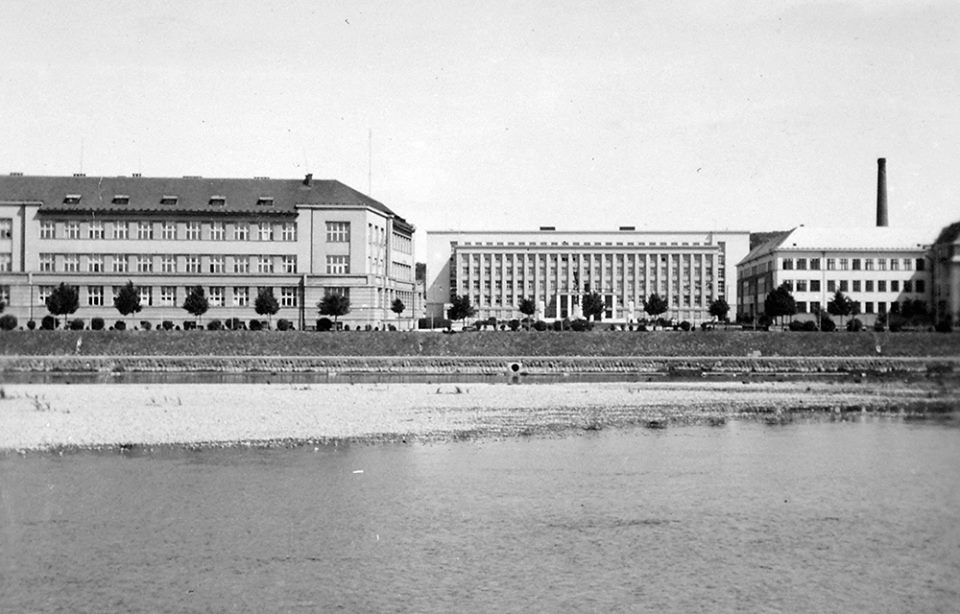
[218, 201]
[265, 201]
[169, 199]
[121, 199]
[71, 199]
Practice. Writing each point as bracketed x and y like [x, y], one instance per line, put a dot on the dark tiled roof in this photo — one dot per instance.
[193, 194]
[949, 234]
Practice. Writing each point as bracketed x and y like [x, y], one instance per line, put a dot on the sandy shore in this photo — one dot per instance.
[96, 415]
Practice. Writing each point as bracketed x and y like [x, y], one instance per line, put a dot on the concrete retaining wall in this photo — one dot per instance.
[484, 365]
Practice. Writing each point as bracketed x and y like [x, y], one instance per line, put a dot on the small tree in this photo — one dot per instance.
[460, 308]
[127, 300]
[840, 305]
[397, 307]
[196, 302]
[64, 300]
[527, 307]
[334, 304]
[719, 309]
[266, 304]
[654, 305]
[592, 305]
[780, 303]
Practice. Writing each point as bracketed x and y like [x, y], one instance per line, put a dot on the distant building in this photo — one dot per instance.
[875, 267]
[945, 255]
[496, 269]
[301, 238]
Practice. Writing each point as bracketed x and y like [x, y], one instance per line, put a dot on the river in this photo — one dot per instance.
[807, 517]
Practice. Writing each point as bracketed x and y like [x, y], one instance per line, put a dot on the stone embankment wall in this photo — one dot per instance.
[432, 365]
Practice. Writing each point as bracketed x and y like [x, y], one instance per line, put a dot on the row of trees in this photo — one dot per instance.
[64, 300]
[591, 303]
[780, 304]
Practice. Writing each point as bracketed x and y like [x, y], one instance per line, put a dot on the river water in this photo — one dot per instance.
[806, 517]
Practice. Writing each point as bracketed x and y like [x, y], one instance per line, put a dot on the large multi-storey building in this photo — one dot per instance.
[875, 267]
[690, 269]
[301, 238]
[945, 255]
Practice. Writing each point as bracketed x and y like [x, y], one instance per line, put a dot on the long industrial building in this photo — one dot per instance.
[554, 268]
[302, 238]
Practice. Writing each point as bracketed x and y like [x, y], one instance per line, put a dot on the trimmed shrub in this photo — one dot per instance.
[827, 324]
[540, 325]
[514, 324]
[76, 324]
[96, 323]
[391, 328]
[945, 325]
[579, 325]
[48, 323]
[144, 325]
[214, 325]
[31, 324]
[189, 325]
[8, 321]
[557, 325]
[167, 325]
[324, 324]
[854, 325]
[685, 326]
[283, 324]
[120, 325]
[255, 325]
[642, 327]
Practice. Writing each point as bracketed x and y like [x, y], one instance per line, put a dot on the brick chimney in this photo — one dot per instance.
[882, 192]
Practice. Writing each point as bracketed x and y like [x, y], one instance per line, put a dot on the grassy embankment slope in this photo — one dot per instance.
[499, 343]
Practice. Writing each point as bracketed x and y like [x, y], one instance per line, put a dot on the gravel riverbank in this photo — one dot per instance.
[58, 416]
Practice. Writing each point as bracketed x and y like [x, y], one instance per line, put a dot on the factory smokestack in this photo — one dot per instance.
[882, 192]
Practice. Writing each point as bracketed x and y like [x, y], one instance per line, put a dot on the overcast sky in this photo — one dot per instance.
[507, 115]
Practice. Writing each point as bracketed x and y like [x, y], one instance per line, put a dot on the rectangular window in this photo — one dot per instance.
[48, 229]
[216, 264]
[265, 231]
[146, 295]
[120, 263]
[264, 264]
[894, 264]
[921, 264]
[46, 263]
[907, 264]
[344, 292]
[338, 232]
[289, 232]
[868, 264]
[844, 264]
[289, 264]
[73, 230]
[168, 263]
[241, 232]
[868, 285]
[856, 285]
[168, 296]
[843, 285]
[95, 229]
[193, 231]
[193, 264]
[908, 286]
[120, 230]
[288, 297]
[814, 306]
[894, 285]
[338, 265]
[814, 264]
[801, 285]
[881, 285]
[241, 264]
[144, 264]
[881, 264]
[144, 231]
[71, 263]
[241, 296]
[43, 292]
[95, 296]
[168, 231]
[787, 264]
[831, 264]
[814, 285]
[6, 263]
[801, 264]
[920, 287]
[5, 294]
[856, 264]
[218, 232]
[216, 296]
[868, 307]
[801, 307]
[95, 263]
